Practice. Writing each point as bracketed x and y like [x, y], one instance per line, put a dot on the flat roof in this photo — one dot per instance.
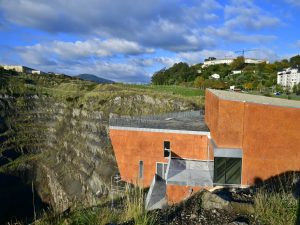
[188, 121]
[242, 97]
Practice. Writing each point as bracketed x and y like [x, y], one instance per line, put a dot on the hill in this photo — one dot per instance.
[94, 78]
[250, 77]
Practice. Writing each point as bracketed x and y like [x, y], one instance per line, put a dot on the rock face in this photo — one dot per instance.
[63, 144]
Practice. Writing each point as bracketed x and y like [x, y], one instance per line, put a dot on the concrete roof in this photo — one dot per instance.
[241, 97]
[188, 121]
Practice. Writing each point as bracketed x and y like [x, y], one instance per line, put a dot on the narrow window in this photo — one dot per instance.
[167, 149]
[141, 169]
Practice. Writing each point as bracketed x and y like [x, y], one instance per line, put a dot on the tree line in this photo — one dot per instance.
[252, 76]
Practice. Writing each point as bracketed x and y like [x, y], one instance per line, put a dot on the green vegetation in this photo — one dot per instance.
[69, 89]
[129, 208]
[171, 89]
[252, 77]
[275, 208]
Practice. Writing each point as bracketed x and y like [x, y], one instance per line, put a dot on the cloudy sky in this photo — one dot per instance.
[128, 40]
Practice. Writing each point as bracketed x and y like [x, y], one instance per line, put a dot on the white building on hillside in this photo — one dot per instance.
[213, 61]
[289, 77]
[18, 68]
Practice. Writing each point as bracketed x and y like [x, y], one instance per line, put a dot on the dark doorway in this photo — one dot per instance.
[227, 170]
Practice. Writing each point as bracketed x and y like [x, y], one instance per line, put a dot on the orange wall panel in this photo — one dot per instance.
[269, 135]
[212, 113]
[271, 141]
[177, 193]
[230, 124]
[132, 146]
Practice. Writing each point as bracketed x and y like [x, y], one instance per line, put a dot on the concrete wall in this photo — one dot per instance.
[268, 135]
[132, 146]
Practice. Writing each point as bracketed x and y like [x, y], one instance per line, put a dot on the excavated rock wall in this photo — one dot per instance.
[65, 145]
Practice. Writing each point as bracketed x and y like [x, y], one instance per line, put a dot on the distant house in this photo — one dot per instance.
[289, 77]
[234, 72]
[241, 139]
[37, 72]
[215, 76]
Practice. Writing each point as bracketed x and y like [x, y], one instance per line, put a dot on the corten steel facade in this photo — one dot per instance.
[267, 132]
[133, 146]
[249, 138]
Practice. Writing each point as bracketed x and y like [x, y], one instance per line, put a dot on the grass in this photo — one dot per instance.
[171, 89]
[275, 208]
[132, 210]
[276, 202]
[135, 207]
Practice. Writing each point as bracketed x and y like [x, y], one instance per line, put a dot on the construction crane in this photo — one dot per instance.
[245, 50]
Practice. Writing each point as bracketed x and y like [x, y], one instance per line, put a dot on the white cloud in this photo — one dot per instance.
[164, 24]
[297, 44]
[82, 49]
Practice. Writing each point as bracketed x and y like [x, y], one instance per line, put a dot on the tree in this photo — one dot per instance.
[260, 87]
[296, 89]
[248, 86]
[199, 82]
[238, 63]
[278, 88]
[295, 61]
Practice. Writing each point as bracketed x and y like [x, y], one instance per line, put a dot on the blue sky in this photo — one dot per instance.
[128, 40]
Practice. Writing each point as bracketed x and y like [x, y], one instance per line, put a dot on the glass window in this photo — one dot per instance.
[227, 170]
[141, 169]
[161, 169]
[166, 148]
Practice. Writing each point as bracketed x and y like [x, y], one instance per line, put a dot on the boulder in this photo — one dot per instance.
[212, 201]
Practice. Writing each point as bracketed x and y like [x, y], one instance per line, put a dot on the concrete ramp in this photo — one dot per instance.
[156, 197]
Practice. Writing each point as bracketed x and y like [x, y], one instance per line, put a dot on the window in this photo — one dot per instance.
[227, 170]
[141, 169]
[167, 149]
[161, 169]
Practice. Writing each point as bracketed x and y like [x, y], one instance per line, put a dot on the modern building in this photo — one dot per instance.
[213, 61]
[289, 77]
[241, 139]
[18, 68]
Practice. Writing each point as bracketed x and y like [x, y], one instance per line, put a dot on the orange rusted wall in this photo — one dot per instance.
[177, 193]
[271, 141]
[225, 120]
[269, 135]
[230, 124]
[212, 113]
[132, 146]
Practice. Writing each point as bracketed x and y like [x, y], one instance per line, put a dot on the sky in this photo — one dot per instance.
[129, 40]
